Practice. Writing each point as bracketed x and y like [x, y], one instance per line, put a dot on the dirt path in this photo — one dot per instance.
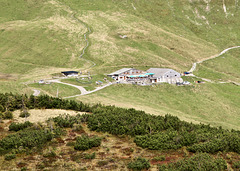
[36, 92]
[89, 92]
[211, 57]
[86, 35]
[80, 88]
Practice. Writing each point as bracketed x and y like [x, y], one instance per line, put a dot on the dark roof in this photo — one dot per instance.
[69, 72]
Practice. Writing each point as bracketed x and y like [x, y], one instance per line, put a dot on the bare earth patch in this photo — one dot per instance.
[39, 115]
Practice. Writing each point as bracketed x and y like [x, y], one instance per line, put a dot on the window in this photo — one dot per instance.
[175, 75]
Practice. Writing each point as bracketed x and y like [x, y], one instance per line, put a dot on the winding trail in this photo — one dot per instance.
[80, 88]
[211, 57]
[86, 40]
[89, 92]
[36, 92]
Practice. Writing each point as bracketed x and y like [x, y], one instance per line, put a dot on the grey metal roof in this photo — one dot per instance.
[159, 71]
[120, 71]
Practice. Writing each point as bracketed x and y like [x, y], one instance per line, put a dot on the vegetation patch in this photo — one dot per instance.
[26, 139]
[201, 161]
[24, 114]
[85, 142]
[19, 126]
[139, 164]
[9, 156]
[66, 120]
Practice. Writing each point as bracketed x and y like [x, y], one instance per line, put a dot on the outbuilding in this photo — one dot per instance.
[70, 73]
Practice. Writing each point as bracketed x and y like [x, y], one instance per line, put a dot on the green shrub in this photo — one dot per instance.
[165, 140]
[23, 168]
[226, 141]
[70, 143]
[85, 142]
[163, 167]
[236, 165]
[1, 115]
[102, 163]
[159, 158]
[200, 162]
[50, 154]
[139, 164]
[19, 126]
[9, 156]
[24, 114]
[66, 121]
[57, 132]
[77, 127]
[90, 156]
[7, 115]
[2, 109]
[26, 139]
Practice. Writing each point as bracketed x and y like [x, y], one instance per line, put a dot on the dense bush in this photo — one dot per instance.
[2, 109]
[25, 139]
[7, 115]
[236, 165]
[90, 156]
[77, 127]
[66, 121]
[150, 131]
[121, 121]
[50, 153]
[159, 158]
[19, 126]
[139, 164]
[24, 114]
[9, 156]
[200, 162]
[165, 140]
[13, 102]
[84, 142]
[222, 142]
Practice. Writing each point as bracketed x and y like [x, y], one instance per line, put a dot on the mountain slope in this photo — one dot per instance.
[39, 39]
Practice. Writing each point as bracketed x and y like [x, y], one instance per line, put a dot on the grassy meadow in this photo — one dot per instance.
[53, 88]
[214, 104]
[223, 68]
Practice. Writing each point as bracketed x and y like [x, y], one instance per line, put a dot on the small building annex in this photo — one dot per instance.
[70, 73]
[125, 74]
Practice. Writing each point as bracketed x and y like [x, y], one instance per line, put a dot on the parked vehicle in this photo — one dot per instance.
[186, 83]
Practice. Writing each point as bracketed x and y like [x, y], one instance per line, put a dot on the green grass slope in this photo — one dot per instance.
[224, 68]
[214, 104]
[167, 34]
[43, 36]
